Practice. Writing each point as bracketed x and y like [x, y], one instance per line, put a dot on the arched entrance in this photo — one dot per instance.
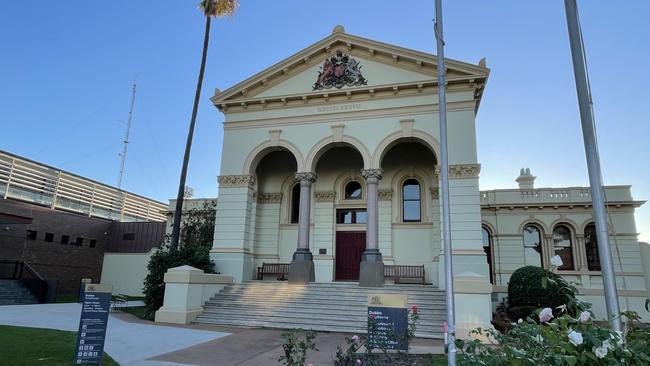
[339, 171]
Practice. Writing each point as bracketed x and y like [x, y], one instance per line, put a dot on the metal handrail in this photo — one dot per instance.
[28, 277]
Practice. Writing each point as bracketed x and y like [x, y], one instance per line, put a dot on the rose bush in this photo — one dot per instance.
[562, 340]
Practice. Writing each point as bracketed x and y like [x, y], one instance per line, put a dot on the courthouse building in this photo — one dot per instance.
[331, 163]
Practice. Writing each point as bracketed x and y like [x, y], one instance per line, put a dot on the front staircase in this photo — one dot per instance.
[335, 306]
[12, 292]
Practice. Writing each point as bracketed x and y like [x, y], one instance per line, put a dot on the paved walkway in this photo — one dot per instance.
[135, 342]
[127, 343]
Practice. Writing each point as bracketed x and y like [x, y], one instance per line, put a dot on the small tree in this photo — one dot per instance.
[197, 234]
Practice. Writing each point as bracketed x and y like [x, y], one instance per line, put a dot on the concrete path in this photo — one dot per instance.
[128, 343]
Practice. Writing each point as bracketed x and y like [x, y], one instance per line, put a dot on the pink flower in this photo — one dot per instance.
[372, 316]
[545, 315]
[355, 338]
[358, 361]
[414, 308]
[584, 316]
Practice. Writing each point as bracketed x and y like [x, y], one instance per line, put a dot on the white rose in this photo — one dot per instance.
[607, 344]
[545, 315]
[584, 316]
[600, 352]
[556, 261]
[575, 338]
[520, 321]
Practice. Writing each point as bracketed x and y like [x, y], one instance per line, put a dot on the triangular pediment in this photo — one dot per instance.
[344, 63]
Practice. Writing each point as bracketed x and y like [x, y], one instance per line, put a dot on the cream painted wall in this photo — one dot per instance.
[126, 272]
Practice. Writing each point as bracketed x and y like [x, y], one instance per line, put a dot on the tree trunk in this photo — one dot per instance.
[188, 145]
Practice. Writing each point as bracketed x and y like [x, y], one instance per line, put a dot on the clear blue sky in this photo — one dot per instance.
[66, 74]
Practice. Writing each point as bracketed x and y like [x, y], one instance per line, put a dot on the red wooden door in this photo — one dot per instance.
[349, 248]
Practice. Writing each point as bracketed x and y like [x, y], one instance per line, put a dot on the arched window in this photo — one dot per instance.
[411, 201]
[353, 190]
[532, 245]
[295, 203]
[563, 246]
[487, 247]
[591, 247]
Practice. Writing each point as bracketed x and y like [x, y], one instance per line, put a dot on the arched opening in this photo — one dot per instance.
[533, 253]
[409, 164]
[294, 215]
[273, 171]
[487, 248]
[591, 248]
[563, 246]
[338, 168]
[353, 190]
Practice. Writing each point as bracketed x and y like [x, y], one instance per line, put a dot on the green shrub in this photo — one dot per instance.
[533, 287]
[196, 242]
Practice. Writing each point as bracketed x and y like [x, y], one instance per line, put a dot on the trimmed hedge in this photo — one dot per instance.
[533, 287]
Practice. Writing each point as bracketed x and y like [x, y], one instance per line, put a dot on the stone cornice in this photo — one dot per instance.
[232, 181]
[325, 196]
[461, 171]
[269, 197]
[385, 195]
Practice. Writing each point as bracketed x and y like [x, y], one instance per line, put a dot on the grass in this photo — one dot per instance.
[34, 346]
[135, 310]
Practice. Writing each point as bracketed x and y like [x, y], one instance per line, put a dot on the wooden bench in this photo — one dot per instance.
[281, 270]
[398, 272]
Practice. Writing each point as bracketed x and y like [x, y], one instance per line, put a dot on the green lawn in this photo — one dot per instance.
[135, 310]
[33, 346]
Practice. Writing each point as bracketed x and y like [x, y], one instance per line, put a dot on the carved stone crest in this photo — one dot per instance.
[385, 195]
[338, 71]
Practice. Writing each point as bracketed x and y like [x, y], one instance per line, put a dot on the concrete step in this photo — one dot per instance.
[337, 307]
[12, 292]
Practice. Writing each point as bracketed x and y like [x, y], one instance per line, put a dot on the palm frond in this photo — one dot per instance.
[218, 8]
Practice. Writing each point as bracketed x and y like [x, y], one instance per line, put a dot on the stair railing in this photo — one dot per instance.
[28, 277]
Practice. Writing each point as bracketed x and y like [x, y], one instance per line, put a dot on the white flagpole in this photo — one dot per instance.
[593, 162]
[444, 188]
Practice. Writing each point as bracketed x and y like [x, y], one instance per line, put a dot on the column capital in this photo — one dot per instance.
[372, 175]
[306, 178]
[236, 180]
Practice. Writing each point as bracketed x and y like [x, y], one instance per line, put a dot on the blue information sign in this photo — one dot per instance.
[92, 326]
[391, 327]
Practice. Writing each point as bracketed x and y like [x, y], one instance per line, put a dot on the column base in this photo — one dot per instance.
[371, 273]
[301, 269]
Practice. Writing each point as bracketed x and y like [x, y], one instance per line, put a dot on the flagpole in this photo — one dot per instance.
[444, 188]
[593, 162]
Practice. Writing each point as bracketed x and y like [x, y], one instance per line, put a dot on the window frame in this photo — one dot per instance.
[294, 203]
[596, 249]
[404, 200]
[345, 191]
[540, 232]
[571, 246]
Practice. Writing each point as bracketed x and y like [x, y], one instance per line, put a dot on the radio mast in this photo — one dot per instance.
[126, 138]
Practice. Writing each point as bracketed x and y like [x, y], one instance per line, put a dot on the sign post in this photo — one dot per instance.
[82, 287]
[92, 325]
[388, 321]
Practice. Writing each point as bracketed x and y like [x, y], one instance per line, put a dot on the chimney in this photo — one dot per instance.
[525, 179]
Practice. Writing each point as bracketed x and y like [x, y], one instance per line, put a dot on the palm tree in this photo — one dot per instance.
[210, 8]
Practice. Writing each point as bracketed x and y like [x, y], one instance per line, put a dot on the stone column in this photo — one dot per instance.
[301, 269]
[371, 273]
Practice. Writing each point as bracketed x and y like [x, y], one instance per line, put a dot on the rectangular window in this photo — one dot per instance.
[31, 234]
[65, 239]
[49, 237]
[79, 242]
[93, 243]
[351, 216]
[128, 236]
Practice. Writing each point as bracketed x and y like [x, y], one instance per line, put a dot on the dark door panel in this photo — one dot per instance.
[349, 248]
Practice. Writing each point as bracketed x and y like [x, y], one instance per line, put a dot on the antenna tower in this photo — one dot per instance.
[126, 139]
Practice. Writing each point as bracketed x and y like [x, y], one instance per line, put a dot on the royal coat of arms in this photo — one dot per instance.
[338, 71]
